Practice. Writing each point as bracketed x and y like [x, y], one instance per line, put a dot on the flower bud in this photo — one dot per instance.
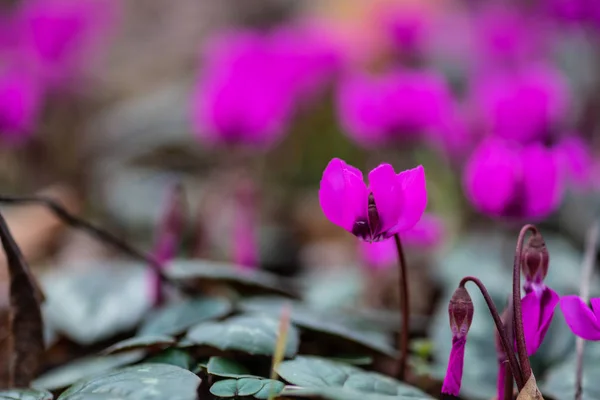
[460, 310]
[535, 259]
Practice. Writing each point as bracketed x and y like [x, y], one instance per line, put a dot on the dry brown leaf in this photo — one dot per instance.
[530, 391]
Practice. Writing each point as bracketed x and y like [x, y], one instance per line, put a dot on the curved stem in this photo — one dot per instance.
[506, 344]
[99, 233]
[404, 309]
[518, 312]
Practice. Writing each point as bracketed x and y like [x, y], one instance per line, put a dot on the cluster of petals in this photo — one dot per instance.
[392, 203]
[251, 82]
[538, 310]
[374, 110]
[583, 320]
[502, 179]
[524, 105]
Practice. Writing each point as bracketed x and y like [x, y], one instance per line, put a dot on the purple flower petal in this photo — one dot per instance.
[576, 160]
[543, 183]
[595, 302]
[414, 198]
[491, 175]
[343, 194]
[454, 372]
[429, 231]
[378, 255]
[387, 193]
[580, 318]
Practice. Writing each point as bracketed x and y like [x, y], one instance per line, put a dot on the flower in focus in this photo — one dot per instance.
[539, 301]
[503, 180]
[428, 232]
[461, 312]
[392, 203]
[525, 106]
[583, 321]
[21, 100]
[61, 36]
[576, 160]
[377, 110]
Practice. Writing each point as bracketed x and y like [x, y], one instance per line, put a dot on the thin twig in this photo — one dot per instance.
[518, 312]
[508, 378]
[506, 344]
[591, 250]
[404, 309]
[97, 232]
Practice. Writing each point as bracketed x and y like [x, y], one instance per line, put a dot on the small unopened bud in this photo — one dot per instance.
[535, 259]
[460, 310]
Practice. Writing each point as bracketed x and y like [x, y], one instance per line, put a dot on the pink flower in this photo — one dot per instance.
[505, 180]
[524, 106]
[392, 203]
[576, 161]
[242, 96]
[428, 232]
[575, 11]
[61, 36]
[21, 101]
[408, 28]
[583, 321]
[376, 110]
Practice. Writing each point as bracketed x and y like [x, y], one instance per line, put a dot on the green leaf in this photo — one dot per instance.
[150, 343]
[252, 334]
[559, 382]
[317, 372]
[84, 368]
[270, 387]
[172, 356]
[139, 382]
[25, 394]
[236, 387]
[221, 366]
[331, 324]
[353, 360]
[201, 272]
[176, 318]
[330, 393]
[96, 301]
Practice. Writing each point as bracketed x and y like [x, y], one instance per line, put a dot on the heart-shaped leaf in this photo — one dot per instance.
[149, 343]
[252, 334]
[25, 394]
[255, 281]
[333, 324]
[139, 382]
[317, 372]
[176, 318]
[84, 368]
[236, 387]
[227, 368]
[87, 305]
[270, 388]
[172, 356]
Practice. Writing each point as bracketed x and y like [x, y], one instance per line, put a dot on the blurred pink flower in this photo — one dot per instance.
[575, 11]
[501, 179]
[576, 161]
[376, 110]
[428, 232]
[524, 106]
[61, 37]
[583, 320]
[21, 102]
[251, 83]
[408, 27]
[391, 204]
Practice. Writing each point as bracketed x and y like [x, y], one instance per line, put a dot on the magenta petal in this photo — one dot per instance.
[580, 318]
[414, 198]
[543, 183]
[490, 176]
[378, 255]
[531, 308]
[454, 372]
[387, 193]
[343, 194]
[595, 303]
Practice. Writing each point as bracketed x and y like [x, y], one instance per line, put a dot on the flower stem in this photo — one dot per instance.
[404, 309]
[591, 249]
[518, 312]
[510, 332]
[506, 344]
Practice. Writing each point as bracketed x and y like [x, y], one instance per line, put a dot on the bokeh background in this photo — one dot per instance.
[106, 105]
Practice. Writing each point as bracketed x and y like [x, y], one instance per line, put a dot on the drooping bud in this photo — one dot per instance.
[535, 260]
[460, 311]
